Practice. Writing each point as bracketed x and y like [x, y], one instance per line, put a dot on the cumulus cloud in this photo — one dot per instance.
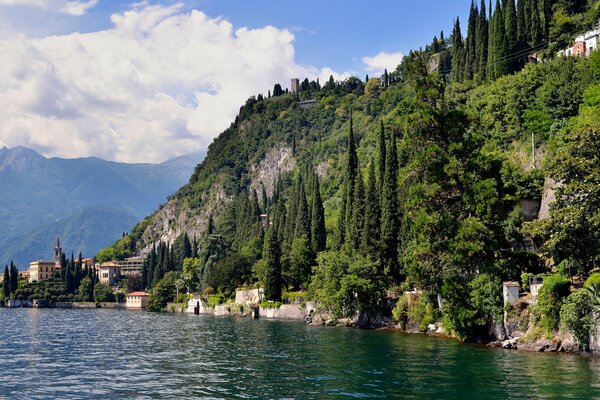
[72, 7]
[382, 60]
[157, 84]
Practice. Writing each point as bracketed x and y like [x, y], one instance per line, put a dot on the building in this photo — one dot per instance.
[41, 270]
[109, 273]
[584, 44]
[295, 85]
[131, 266]
[137, 300]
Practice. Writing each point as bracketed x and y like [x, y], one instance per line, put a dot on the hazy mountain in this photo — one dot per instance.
[88, 202]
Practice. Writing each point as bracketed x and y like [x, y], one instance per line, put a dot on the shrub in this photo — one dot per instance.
[576, 317]
[400, 311]
[550, 299]
[594, 279]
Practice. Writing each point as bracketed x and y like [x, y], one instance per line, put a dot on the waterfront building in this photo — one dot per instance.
[41, 270]
[109, 273]
[137, 300]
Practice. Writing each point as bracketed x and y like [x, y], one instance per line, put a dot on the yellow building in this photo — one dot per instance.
[41, 270]
[137, 300]
[109, 273]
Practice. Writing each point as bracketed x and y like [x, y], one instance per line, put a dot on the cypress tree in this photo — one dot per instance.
[457, 52]
[371, 232]
[348, 187]
[317, 224]
[357, 222]
[302, 229]
[14, 277]
[534, 24]
[482, 42]
[497, 52]
[471, 48]
[521, 29]
[389, 214]
[6, 283]
[273, 269]
[382, 157]
[512, 38]
[264, 199]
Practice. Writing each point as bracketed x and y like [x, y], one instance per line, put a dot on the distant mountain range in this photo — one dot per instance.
[88, 202]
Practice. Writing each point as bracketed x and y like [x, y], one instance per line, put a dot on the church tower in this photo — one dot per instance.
[57, 255]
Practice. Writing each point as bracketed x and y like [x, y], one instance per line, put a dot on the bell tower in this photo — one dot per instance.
[57, 255]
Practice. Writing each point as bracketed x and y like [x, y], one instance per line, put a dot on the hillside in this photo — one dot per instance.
[421, 178]
[89, 202]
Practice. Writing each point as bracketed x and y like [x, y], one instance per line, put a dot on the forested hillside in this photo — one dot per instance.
[415, 179]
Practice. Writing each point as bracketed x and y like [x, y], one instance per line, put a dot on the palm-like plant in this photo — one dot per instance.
[593, 293]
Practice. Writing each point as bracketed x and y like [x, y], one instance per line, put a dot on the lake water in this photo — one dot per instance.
[114, 354]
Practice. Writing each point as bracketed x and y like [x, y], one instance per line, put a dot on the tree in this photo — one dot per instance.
[458, 56]
[382, 157]
[14, 278]
[357, 214]
[511, 31]
[348, 284]
[6, 283]
[497, 49]
[86, 289]
[481, 42]
[301, 261]
[389, 213]
[471, 48]
[277, 91]
[571, 233]
[348, 188]
[317, 224]
[302, 228]
[163, 292]
[103, 294]
[273, 270]
[191, 272]
[372, 220]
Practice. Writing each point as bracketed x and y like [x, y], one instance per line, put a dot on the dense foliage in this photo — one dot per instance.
[415, 179]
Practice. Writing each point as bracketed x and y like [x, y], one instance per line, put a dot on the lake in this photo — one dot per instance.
[52, 353]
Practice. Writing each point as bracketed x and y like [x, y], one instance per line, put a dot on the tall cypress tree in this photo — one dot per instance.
[14, 277]
[511, 31]
[372, 229]
[497, 51]
[389, 214]
[471, 48]
[521, 30]
[482, 42]
[317, 225]
[302, 229]
[357, 222]
[382, 157]
[534, 24]
[348, 188]
[273, 267]
[6, 283]
[457, 52]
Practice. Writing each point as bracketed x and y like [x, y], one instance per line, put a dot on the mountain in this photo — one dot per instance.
[424, 178]
[88, 202]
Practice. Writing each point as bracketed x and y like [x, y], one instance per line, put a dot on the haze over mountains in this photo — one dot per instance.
[88, 202]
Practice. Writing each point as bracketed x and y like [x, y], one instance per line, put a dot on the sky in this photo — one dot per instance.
[147, 81]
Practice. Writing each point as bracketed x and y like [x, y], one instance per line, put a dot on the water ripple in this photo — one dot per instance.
[110, 354]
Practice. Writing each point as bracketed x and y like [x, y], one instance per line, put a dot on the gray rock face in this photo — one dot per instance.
[541, 345]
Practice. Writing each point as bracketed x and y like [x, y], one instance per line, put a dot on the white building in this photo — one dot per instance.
[137, 300]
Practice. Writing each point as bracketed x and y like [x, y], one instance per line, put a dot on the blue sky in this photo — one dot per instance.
[147, 81]
[337, 33]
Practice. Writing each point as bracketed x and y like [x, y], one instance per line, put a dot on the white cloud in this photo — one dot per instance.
[72, 7]
[159, 83]
[382, 60]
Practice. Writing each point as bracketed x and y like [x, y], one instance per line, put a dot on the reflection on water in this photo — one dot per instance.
[117, 354]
